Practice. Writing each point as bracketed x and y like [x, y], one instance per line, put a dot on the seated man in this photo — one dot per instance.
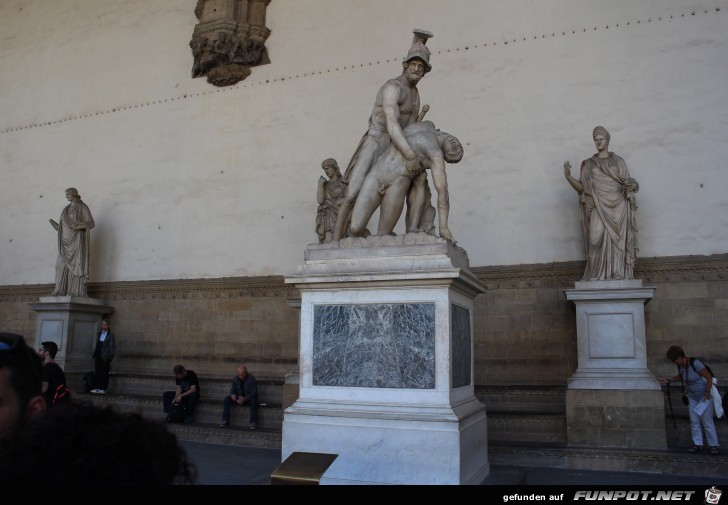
[392, 179]
[21, 398]
[244, 391]
[188, 391]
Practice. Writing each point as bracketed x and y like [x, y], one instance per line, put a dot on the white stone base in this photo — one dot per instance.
[610, 332]
[386, 363]
[390, 445]
[72, 322]
[613, 400]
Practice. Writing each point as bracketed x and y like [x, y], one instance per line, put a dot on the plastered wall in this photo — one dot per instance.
[186, 180]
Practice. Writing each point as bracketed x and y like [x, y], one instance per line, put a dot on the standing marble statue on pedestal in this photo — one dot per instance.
[74, 246]
[608, 212]
[612, 380]
[329, 195]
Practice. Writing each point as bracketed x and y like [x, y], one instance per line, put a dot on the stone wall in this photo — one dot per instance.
[524, 328]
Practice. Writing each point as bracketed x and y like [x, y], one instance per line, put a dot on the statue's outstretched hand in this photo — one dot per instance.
[567, 169]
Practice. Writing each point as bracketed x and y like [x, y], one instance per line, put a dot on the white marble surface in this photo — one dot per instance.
[410, 446]
[388, 435]
[611, 340]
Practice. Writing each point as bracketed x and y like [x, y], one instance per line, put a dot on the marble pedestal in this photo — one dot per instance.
[386, 363]
[613, 400]
[72, 322]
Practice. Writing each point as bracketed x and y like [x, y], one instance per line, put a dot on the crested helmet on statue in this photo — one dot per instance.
[419, 48]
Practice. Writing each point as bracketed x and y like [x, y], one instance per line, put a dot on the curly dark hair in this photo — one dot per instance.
[83, 444]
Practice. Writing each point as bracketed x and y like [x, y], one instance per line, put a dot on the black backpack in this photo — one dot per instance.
[89, 381]
[177, 413]
[692, 364]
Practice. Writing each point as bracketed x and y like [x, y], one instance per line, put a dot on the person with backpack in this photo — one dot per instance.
[697, 383]
[55, 389]
[187, 393]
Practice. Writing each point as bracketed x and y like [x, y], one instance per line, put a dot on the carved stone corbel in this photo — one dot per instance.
[229, 39]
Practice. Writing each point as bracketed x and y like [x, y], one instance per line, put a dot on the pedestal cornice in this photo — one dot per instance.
[411, 260]
[70, 303]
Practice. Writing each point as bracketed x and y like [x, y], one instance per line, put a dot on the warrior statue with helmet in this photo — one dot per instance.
[396, 106]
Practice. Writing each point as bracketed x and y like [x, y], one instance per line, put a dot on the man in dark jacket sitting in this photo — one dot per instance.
[244, 391]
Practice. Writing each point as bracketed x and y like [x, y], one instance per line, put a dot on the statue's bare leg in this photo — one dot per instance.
[341, 219]
[416, 202]
[392, 205]
[358, 173]
[368, 201]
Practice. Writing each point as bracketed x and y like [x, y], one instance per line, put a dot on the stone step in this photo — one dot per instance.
[525, 414]
[671, 461]
[210, 434]
[542, 429]
[270, 417]
[526, 426]
[523, 398]
[269, 391]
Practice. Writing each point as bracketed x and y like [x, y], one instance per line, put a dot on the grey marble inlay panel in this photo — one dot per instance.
[461, 348]
[374, 345]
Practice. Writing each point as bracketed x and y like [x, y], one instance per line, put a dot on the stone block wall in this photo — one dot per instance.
[524, 328]
[613, 418]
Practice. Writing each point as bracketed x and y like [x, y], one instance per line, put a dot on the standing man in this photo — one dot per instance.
[397, 105]
[188, 392]
[244, 391]
[54, 385]
[104, 353]
[74, 246]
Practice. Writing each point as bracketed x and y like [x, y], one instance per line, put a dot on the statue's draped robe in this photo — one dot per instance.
[74, 248]
[608, 221]
[328, 211]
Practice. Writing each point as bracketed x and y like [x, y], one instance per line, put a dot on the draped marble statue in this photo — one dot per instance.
[74, 246]
[608, 212]
[329, 195]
